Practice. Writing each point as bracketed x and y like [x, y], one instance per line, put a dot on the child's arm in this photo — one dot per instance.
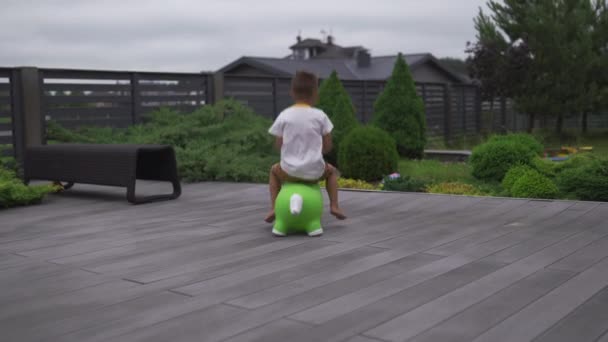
[277, 130]
[278, 142]
[327, 143]
[326, 128]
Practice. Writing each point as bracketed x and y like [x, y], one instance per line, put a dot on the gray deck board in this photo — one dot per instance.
[587, 323]
[87, 266]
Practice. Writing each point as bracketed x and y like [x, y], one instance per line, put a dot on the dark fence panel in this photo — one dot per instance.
[465, 111]
[268, 96]
[77, 98]
[262, 94]
[7, 131]
[183, 92]
[433, 96]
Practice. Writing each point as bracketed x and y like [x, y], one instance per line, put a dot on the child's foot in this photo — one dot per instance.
[338, 213]
[270, 217]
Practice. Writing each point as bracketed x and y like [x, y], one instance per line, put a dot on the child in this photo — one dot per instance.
[303, 134]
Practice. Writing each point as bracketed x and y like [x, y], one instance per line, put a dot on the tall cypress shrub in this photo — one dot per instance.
[400, 111]
[337, 104]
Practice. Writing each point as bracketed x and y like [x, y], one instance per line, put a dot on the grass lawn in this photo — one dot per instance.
[434, 172]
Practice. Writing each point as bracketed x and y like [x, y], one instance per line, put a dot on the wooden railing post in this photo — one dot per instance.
[364, 102]
[275, 103]
[218, 87]
[135, 99]
[209, 89]
[28, 106]
[447, 117]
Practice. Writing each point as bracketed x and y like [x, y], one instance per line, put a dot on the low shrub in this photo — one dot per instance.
[532, 184]
[224, 142]
[545, 167]
[513, 175]
[492, 160]
[587, 181]
[404, 183]
[367, 153]
[454, 188]
[12, 190]
[346, 183]
[524, 139]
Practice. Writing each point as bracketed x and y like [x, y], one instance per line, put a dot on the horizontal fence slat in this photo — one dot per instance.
[171, 87]
[87, 112]
[5, 100]
[5, 114]
[161, 76]
[6, 126]
[185, 109]
[168, 98]
[6, 140]
[110, 122]
[84, 74]
[85, 87]
[66, 100]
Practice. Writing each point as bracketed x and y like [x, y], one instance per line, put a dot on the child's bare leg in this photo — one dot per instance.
[274, 186]
[332, 191]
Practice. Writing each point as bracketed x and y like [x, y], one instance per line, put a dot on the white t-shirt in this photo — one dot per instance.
[302, 128]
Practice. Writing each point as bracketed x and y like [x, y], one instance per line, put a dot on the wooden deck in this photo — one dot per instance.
[87, 266]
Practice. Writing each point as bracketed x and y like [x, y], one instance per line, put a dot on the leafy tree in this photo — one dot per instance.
[543, 53]
[335, 101]
[400, 111]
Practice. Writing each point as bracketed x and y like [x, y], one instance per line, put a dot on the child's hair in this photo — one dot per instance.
[304, 86]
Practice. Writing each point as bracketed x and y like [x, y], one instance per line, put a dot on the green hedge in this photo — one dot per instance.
[368, 153]
[532, 184]
[223, 142]
[513, 175]
[492, 160]
[586, 178]
[12, 190]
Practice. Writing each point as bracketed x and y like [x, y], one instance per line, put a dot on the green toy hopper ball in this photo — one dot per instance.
[298, 209]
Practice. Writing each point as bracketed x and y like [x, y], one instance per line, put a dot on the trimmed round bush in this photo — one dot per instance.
[521, 138]
[492, 160]
[367, 153]
[532, 184]
[588, 181]
[545, 167]
[514, 174]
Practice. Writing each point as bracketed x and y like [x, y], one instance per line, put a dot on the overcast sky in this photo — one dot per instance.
[195, 35]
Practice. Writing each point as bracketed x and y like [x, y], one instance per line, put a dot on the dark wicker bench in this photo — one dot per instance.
[113, 165]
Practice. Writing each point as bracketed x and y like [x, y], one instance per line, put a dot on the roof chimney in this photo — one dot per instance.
[364, 59]
[330, 40]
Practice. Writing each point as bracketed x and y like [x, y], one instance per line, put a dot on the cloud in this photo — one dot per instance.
[190, 35]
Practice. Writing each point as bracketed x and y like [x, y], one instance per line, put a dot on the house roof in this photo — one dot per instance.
[380, 69]
[308, 43]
